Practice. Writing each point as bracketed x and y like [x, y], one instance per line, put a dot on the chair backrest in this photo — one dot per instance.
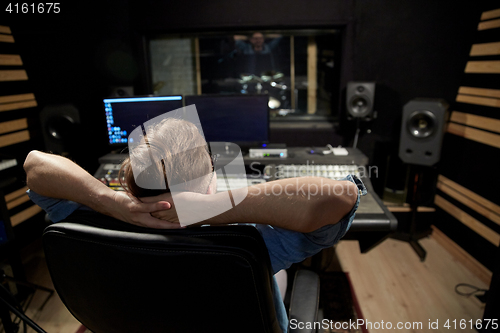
[208, 279]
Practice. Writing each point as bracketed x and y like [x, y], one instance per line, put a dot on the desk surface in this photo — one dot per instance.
[301, 155]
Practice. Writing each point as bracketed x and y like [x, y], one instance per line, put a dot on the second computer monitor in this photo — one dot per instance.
[241, 119]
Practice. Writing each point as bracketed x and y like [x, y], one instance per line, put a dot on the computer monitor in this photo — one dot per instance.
[126, 113]
[241, 119]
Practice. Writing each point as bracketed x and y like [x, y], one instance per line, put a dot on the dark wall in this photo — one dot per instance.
[195, 15]
[410, 48]
[75, 57]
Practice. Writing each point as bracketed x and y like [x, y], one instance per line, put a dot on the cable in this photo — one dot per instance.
[475, 291]
[23, 316]
[24, 308]
[17, 309]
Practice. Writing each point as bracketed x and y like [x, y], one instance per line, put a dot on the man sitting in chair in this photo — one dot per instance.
[295, 223]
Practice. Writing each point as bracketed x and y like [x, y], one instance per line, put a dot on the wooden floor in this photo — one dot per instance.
[390, 282]
[393, 285]
[54, 317]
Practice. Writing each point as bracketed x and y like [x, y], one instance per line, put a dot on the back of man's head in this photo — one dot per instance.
[173, 152]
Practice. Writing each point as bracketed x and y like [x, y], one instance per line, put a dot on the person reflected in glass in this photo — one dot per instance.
[257, 52]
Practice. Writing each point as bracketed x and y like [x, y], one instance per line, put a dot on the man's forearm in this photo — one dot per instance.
[300, 204]
[58, 177]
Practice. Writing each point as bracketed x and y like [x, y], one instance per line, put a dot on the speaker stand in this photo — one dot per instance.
[412, 237]
[356, 136]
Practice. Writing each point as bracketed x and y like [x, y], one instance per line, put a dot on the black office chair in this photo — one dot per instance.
[115, 277]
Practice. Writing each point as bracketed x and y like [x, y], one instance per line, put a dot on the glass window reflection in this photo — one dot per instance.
[298, 70]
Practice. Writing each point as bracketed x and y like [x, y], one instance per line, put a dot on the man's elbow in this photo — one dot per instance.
[351, 196]
[32, 160]
[330, 209]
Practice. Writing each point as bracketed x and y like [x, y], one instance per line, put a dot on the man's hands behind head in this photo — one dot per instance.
[131, 210]
[168, 215]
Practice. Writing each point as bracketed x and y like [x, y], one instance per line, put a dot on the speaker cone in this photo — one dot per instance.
[359, 105]
[60, 127]
[422, 124]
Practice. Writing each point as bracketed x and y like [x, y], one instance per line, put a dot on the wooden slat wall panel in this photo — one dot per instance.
[10, 60]
[466, 238]
[15, 132]
[475, 91]
[10, 139]
[6, 38]
[470, 150]
[312, 72]
[490, 14]
[13, 125]
[402, 209]
[469, 202]
[463, 256]
[486, 123]
[486, 101]
[16, 202]
[24, 215]
[465, 191]
[485, 49]
[5, 30]
[490, 235]
[475, 134]
[488, 67]
[13, 75]
[17, 106]
[16, 194]
[16, 98]
[488, 25]
[198, 65]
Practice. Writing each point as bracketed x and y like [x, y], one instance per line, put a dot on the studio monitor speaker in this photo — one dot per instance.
[422, 130]
[123, 91]
[60, 125]
[359, 99]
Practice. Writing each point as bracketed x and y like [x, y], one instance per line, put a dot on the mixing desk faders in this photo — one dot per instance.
[110, 177]
[108, 170]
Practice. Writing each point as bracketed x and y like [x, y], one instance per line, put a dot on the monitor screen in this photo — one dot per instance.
[125, 114]
[241, 119]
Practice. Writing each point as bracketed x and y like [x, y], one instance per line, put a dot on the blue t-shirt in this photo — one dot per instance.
[285, 247]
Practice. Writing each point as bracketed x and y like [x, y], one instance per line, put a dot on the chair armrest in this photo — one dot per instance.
[304, 300]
